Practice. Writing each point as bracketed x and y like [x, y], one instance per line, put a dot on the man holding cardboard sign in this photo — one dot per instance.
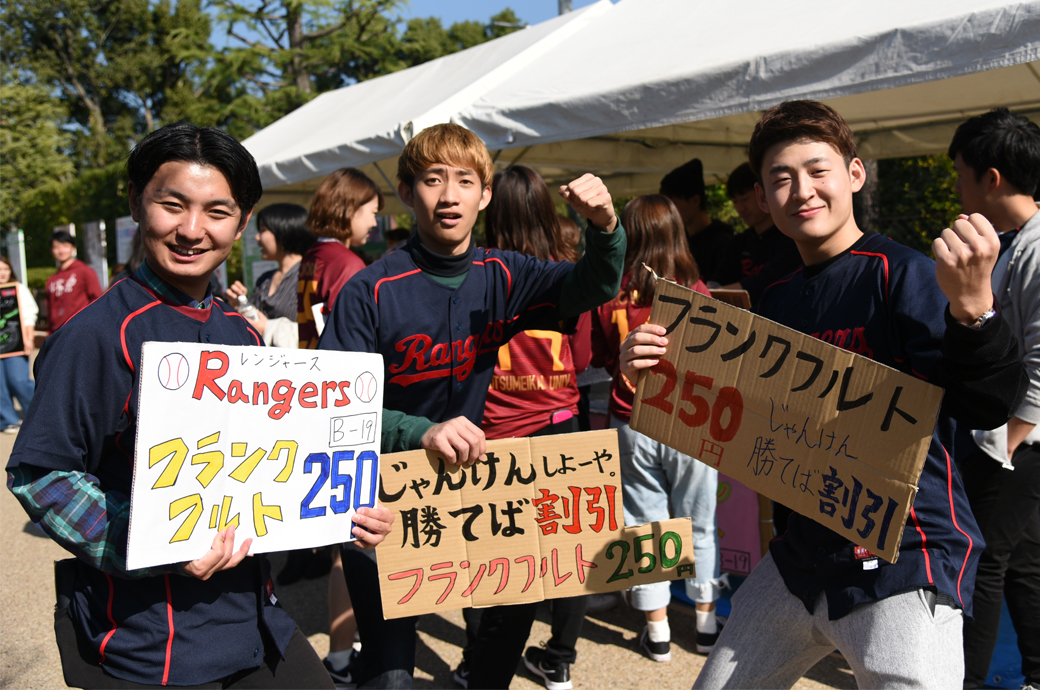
[214, 619]
[897, 621]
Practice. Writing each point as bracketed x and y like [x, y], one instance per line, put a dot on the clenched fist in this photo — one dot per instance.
[590, 198]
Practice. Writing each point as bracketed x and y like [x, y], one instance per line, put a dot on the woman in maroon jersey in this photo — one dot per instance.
[653, 475]
[534, 392]
[342, 214]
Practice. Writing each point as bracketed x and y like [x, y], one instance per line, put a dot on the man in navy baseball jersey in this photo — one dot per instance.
[438, 309]
[211, 620]
[997, 158]
[897, 624]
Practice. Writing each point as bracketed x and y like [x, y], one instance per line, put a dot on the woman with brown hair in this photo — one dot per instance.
[14, 370]
[342, 214]
[652, 474]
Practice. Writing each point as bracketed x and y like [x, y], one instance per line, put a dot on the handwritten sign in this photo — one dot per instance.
[537, 518]
[282, 444]
[11, 343]
[835, 436]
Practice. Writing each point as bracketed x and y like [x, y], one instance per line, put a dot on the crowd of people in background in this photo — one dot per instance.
[968, 321]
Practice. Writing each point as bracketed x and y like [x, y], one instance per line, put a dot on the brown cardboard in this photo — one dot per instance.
[737, 392]
[545, 553]
[736, 298]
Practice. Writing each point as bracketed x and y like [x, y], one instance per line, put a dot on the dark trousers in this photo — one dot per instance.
[1006, 504]
[387, 646]
[493, 651]
[568, 614]
[301, 667]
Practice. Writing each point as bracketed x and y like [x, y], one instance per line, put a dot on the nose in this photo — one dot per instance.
[450, 193]
[802, 188]
[192, 229]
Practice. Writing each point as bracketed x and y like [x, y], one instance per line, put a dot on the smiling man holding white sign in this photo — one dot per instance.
[212, 619]
[897, 623]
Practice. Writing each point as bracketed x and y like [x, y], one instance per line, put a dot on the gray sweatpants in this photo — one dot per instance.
[770, 640]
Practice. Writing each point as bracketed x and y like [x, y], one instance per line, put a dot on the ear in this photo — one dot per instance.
[858, 174]
[404, 191]
[760, 196]
[131, 191]
[243, 224]
[992, 179]
[485, 198]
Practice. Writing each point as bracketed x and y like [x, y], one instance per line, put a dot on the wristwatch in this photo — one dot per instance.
[981, 321]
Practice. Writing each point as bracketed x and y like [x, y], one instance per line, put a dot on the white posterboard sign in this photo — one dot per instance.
[283, 444]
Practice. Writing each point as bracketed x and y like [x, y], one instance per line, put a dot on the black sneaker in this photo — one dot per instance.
[461, 674]
[345, 677]
[658, 651]
[554, 676]
[706, 641]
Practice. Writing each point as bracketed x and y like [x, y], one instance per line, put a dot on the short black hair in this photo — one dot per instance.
[207, 146]
[63, 236]
[685, 182]
[741, 181]
[288, 224]
[1002, 140]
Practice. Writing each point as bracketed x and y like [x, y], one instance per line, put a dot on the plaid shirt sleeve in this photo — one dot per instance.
[73, 510]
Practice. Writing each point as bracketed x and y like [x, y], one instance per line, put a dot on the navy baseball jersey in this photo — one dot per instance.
[881, 300]
[439, 344]
[163, 629]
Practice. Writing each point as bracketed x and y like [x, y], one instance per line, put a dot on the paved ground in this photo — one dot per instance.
[608, 656]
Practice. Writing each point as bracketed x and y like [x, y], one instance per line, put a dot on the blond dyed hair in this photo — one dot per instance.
[445, 144]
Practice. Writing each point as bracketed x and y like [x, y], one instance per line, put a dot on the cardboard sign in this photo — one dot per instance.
[283, 444]
[11, 342]
[736, 298]
[537, 518]
[833, 435]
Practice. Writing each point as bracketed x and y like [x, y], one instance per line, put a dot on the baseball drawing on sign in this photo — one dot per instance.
[366, 387]
[173, 371]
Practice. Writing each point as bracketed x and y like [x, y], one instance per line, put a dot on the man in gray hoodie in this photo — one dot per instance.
[997, 158]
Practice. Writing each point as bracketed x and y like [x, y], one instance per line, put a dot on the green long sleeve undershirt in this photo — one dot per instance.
[595, 280]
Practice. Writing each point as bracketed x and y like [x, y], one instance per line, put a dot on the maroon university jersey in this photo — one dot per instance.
[611, 324]
[324, 270]
[535, 377]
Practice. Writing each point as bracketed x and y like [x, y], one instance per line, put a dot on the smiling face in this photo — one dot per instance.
[446, 201]
[63, 252]
[807, 189]
[746, 206]
[363, 222]
[268, 245]
[5, 273]
[189, 220]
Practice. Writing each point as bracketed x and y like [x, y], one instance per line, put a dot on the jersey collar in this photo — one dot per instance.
[171, 294]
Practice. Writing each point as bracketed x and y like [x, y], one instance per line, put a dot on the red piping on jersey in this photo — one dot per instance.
[111, 597]
[539, 306]
[918, 375]
[509, 276]
[924, 546]
[409, 379]
[779, 282]
[252, 330]
[169, 641]
[193, 312]
[953, 515]
[122, 333]
[383, 280]
[884, 259]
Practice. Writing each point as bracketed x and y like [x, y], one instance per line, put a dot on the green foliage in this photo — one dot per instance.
[720, 207]
[917, 199]
[32, 145]
[117, 66]
[36, 278]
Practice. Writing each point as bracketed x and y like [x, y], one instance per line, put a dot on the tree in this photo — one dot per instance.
[917, 199]
[32, 143]
[116, 65]
[288, 51]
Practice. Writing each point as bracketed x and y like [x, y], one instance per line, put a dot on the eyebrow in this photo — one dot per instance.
[443, 169]
[788, 168]
[166, 191]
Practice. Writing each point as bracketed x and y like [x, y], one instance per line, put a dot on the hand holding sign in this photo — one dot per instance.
[458, 440]
[641, 349]
[964, 258]
[371, 526]
[221, 555]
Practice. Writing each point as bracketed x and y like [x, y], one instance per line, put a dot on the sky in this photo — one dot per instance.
[451, 11]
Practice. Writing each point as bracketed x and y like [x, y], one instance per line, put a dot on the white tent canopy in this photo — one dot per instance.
[629, 91]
